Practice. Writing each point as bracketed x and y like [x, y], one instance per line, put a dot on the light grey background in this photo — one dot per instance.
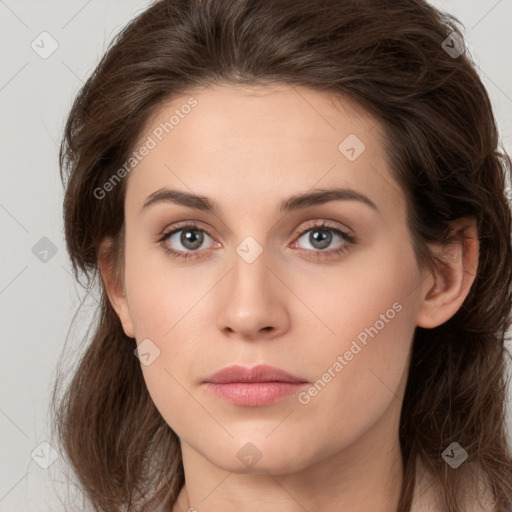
[38, 299]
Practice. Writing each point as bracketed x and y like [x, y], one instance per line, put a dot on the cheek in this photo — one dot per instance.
[165, 307]
[358, 381]
[160, 292]
[372, 295]
[361, 366]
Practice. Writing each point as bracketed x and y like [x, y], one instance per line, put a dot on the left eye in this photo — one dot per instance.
[322, 236]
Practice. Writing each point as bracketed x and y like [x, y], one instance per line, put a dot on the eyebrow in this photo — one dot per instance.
[295, 202]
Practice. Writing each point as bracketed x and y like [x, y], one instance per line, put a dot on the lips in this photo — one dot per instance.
[260, 373]
[253, 387]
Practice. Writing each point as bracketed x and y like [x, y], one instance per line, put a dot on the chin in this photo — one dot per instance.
[260, 455]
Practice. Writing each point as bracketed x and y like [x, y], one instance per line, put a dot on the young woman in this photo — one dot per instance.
[296, 213]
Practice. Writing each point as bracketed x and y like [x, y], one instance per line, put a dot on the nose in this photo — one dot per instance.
[252, 303]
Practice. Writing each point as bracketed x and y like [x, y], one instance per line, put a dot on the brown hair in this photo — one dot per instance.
[442, 144]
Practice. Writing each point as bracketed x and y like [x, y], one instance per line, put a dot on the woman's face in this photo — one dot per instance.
[262, 283]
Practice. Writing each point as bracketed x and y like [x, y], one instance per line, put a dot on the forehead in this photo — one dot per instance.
[260, 141]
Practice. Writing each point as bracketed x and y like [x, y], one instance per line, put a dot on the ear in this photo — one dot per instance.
[452, 278]
[111, 275]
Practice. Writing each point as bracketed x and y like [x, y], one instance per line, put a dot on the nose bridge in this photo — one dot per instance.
[252, 253]
[250, 279]
[251, 301]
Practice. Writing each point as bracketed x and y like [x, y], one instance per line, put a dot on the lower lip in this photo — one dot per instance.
[254, 394]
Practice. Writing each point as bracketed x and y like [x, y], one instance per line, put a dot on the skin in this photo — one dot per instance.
[249, 148]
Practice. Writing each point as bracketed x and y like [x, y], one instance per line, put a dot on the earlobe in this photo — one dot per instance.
[453, 277]
[112, 284]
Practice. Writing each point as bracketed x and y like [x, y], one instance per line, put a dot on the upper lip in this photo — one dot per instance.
[260, 373]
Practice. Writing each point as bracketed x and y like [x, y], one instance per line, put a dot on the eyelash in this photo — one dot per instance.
[317, 254]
